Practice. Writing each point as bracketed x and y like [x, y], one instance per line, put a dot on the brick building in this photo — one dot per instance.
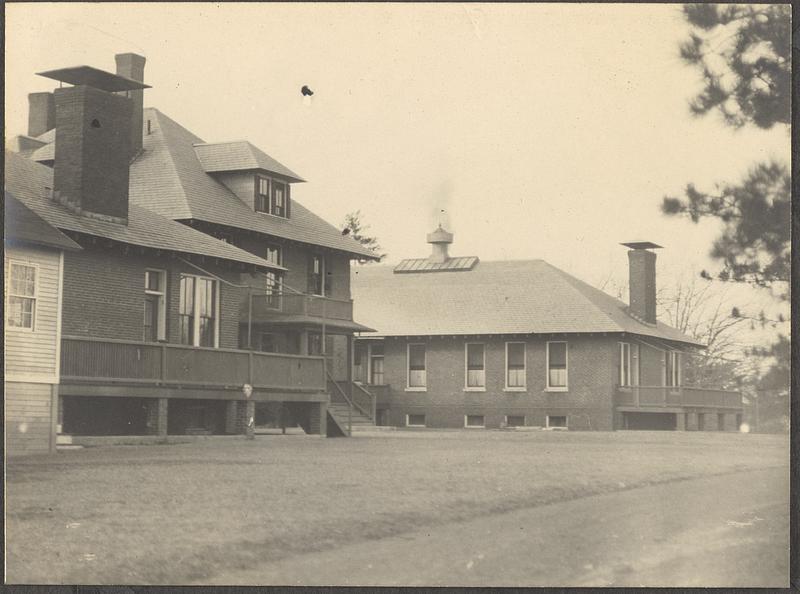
[204, 293]
[465, 343]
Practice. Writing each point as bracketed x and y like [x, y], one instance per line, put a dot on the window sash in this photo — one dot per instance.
[21, 312]
[198, 311]
[556, 364]
[474, 421]
[515, 364]
[624, 364]
[673, 368]
[377, 373]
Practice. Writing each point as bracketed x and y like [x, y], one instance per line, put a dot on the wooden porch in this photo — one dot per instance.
[171, 368]
[677, 398]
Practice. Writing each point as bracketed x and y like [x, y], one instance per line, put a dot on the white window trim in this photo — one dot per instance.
[524, 387]
[467, 387]
[409, 387]
[35, 296]
[547, 422]
[466, 426]
[162, 300]
[676, 369]
[565, 387]
[524, 420]
[269, 212]
[622, 382]
[196, 317]
[323, 270]
[408, 421]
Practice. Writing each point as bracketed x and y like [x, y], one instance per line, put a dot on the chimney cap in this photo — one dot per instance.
[439, 235]
[641, 245]
[94, 77]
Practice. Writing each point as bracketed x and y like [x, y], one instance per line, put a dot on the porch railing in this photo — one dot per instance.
[266, 307]
[364, 400]
[664, 396]
[109, 360]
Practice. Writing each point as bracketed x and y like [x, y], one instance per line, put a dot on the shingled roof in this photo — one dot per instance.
[506, 297]
[169, 178]
[239, 155]
[28, 182]
[21, 224]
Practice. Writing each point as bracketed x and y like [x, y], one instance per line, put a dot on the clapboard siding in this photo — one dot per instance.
[34, 353]
[28, 418]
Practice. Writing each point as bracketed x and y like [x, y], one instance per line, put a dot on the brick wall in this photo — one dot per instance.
[104, 295]
[588, 402]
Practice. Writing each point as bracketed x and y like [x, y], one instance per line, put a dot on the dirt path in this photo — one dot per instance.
[729, 530]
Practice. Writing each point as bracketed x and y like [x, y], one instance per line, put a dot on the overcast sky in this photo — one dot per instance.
[542, 130]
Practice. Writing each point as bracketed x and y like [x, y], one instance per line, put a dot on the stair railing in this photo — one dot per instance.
[373, 401]
[346, 399]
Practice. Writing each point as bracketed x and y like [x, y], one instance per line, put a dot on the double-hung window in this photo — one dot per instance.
[377, 377]
[198, 311]
[557, 366]
[319, 276]
[673, 368]
[515, 365]
[22, 295]
[476, 366]
[624, 364]
[417, 375]
[274, 279]
[155, 306]
[262, 201]
[271, 196]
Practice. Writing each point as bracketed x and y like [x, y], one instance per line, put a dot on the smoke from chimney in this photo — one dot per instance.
[440, 205]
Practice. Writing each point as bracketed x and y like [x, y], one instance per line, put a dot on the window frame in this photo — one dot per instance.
[371, 360]
[424, 386]
[467, 387]
[424, 419]
[548, 426]
[269, 200]
[673, 364]
[195, 313]
[565, 387]
[34, 298]
[524, 386]
[523, 417]
[468, 426]
[161, 332]
[266, 198]
[625, 382]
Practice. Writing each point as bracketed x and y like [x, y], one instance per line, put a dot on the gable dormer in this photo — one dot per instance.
[257, 179]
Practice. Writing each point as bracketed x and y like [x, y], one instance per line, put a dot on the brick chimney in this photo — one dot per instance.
[642, 280]
[440, 240]
[92, 147]
[41, 113]
[132, 66]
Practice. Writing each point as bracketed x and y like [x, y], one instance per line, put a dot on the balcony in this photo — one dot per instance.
[300, 309]
[660, 397]
[106, 361]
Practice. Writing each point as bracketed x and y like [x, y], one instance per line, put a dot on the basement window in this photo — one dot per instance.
[515, 421]
[474, 421]
[556, 422]
[415, 420]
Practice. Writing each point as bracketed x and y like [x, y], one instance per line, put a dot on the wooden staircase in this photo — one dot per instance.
[351, 409]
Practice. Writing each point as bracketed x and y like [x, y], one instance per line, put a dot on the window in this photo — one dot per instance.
[557, 366]
[624, 364]
[155, 313]
[271, 196]
[274, 255]
[515, 365]
[197, 311]
[376, 364]
[673, 374]
[415, 420]
[473, 421]
[515, 421]
[314, 343]
[556, 422]
[22, 296]
[416, 367]
[278, 199]
[262, 201]
[319, 273]
[268, 342]
[476, 368]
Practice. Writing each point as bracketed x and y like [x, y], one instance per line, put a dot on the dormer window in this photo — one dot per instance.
[272, 196]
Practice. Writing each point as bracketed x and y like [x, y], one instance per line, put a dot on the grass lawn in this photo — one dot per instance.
[172, 514]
